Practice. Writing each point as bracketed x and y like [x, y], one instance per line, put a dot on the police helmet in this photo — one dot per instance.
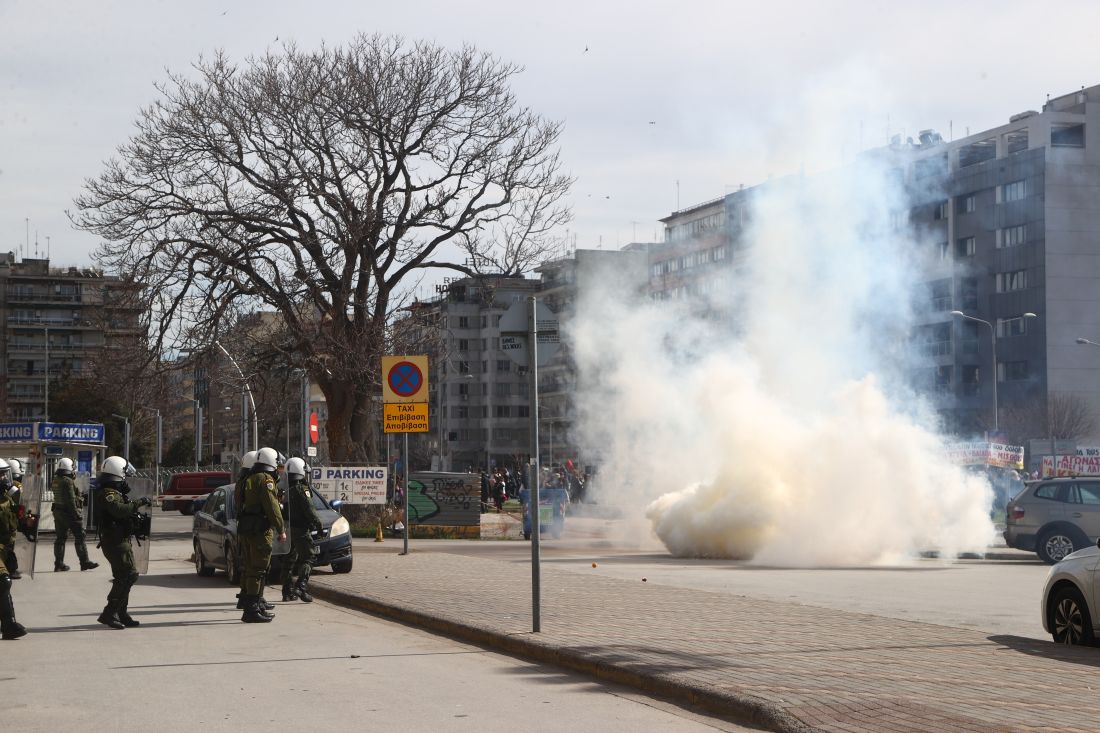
[65, 466]
[296, 467]
[248, 459]
[113, 468]
[266, 459]
[16, 469]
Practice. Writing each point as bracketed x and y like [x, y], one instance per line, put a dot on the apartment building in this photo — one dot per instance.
[1011, 220]
[57, 321]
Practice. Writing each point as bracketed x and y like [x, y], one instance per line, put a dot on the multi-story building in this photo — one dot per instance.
[1013, 219]
[57, 323]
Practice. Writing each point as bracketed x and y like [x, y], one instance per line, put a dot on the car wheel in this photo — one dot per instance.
[1070, 622]
[1054, 545]
[342, 566]
[201, 568]
[232, 569]
[186, 509]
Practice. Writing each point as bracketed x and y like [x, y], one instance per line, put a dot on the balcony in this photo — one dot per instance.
[62, 298]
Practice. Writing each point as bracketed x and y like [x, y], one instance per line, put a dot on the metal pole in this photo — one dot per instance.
[305, 413]
[536, 529]
[46, 409]
[993, 335]
[255, 416]
[198, 434]
[126, 437]
[405, 521]
[439, 415]
[160, 447]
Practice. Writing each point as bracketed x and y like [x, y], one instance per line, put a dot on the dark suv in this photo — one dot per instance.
[1054, 517]
[214, 537]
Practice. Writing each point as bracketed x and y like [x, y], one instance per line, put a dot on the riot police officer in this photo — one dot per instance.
[68, 517]
[9, 627]
[117, 518]
[303, 519]
[259, 519]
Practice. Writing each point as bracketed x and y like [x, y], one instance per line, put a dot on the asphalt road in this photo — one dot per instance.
[316, 667]
[998, 596]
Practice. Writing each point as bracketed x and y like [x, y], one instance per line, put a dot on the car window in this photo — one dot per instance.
[208, 507]
[319, 501]
[1048, 491]
[219, 500]
[1088, 493]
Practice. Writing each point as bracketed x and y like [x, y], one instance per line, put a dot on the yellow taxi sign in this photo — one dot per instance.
[404, 379]
[408, 417]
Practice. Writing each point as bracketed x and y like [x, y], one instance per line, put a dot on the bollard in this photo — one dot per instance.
[378, 536]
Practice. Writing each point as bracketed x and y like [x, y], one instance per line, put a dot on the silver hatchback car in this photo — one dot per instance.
[1054, 517]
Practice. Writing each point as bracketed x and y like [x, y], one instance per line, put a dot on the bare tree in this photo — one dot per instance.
[321, 184]
[1069, 416]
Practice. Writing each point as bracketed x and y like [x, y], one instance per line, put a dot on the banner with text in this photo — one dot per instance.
[986, 454]
[1085, 460]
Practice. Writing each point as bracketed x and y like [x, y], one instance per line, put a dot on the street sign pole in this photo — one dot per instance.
[533, 499]
[405, 512]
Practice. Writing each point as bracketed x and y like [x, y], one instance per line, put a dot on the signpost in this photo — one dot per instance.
[530, 331]
[405, 410]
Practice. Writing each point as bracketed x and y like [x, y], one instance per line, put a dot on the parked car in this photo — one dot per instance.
[214, 537]
[196, 483]
[1070, 598]
[1054, 517]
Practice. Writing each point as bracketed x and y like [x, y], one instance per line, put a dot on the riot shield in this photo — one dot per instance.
[142, 540]
[28, 509]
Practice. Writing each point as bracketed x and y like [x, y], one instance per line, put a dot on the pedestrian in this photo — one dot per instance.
[68, 516]
[9, 527]
[259, 520]
[117, 518]
[303, 520]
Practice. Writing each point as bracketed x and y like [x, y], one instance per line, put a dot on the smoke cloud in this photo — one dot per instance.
[770, 417]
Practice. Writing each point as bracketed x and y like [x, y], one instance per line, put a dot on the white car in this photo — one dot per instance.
[1071, 598]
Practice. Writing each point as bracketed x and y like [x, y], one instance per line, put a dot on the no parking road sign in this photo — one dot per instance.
[404, 379]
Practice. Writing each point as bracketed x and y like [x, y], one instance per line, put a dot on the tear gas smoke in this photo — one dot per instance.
[770, 417]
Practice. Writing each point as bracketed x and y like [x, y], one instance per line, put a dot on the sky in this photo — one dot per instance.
[665, 104]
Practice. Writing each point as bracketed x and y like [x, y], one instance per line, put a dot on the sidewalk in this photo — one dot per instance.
[783, 666]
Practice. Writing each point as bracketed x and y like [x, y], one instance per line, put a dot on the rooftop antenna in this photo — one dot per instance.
[27, 245]
[36, 244]
[47, 247]
[677, 194]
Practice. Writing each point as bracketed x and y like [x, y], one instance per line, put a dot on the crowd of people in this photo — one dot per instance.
[261, 519]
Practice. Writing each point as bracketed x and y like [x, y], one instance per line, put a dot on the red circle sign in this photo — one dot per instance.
[314, 431]
[405, 379]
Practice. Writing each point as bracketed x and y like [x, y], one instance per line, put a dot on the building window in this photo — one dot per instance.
[463, 389]
[1015, 191]
[464, 344]
[1008, 282]
[463, 367]
[523, 411]
[965, 247]
[502, 389]
[945, 251]
[461, 412]
[1015, 141]
[966, 204]
[504, 365]
[940, 292]
[1011, 326]
[463, 321]
[968, 293]
[941, 211]
[502, 411]
[496, 343]
[1011, 236]
[968, 344]
[1012, 371]
[1067, 135]
[484, 323]
[969, 379]
[942, 379]
[936, 339]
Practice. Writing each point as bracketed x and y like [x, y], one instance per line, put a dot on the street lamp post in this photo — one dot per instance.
[252, 401]
[126, 436]
[993, 338]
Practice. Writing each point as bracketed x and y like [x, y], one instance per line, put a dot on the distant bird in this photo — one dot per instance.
[225, 12]
[652, 122]
[276, 38]
[586, 49]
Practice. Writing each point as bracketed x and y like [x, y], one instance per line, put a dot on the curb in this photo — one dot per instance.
[732, 705]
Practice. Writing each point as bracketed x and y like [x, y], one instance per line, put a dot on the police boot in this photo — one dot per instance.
[123, 615]
[303, 583]
[88, 565]
[264, 604]
[252, 612]
[242, 601]
[60, 567]
[9, 627]
[109, 617]
[288, 589]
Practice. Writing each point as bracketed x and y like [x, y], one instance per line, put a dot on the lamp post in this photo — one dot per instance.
[248, 389]
[993, 338]
[126, 436]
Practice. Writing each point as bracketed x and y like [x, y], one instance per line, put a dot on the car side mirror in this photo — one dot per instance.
[219, 516]
[336, 505]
